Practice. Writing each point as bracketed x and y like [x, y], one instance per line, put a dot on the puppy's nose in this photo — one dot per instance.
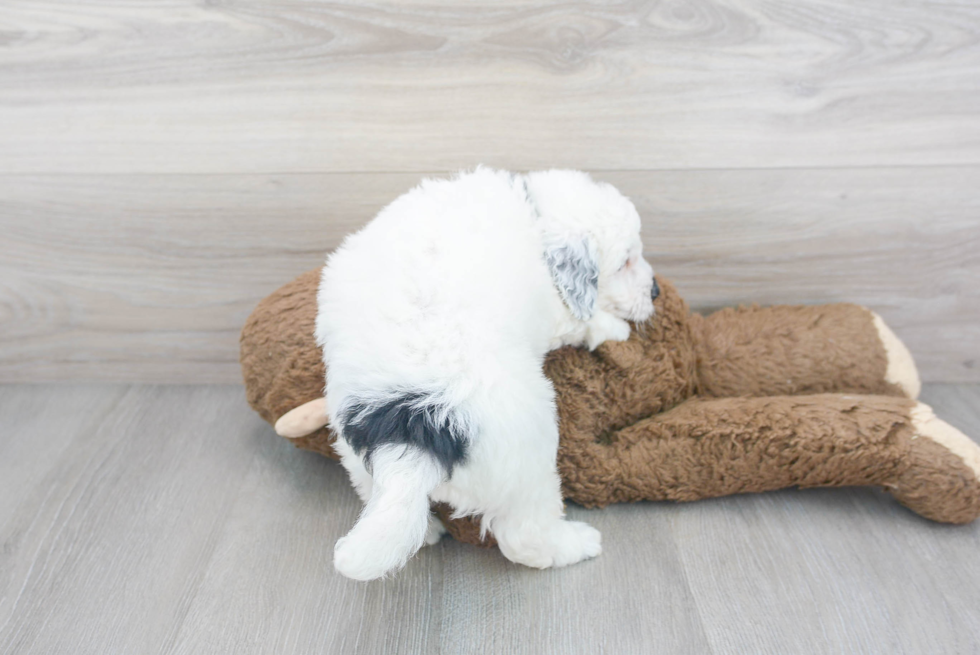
[655, 291]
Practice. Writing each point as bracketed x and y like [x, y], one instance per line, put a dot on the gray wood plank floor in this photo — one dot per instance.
[155, 519]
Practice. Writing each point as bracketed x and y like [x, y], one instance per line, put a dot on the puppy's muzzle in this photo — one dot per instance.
[655, 290]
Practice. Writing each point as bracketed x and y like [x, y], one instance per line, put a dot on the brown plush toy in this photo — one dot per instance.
[743, 400]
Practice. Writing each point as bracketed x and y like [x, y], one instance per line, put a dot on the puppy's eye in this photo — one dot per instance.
[626, 264]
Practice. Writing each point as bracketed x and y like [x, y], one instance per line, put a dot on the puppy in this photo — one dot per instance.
[434, 321]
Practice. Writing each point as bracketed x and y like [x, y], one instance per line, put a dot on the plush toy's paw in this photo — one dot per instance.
[901, 369]
[606, 327]
[435, 530]
[560, 544]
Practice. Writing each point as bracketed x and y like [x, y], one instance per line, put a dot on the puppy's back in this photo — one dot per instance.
[443, 286]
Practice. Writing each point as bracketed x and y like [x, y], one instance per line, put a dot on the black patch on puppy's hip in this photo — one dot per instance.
[407, 420]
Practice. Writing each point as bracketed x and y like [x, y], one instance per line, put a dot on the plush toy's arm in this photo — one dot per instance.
[764, 351]
[714, 447]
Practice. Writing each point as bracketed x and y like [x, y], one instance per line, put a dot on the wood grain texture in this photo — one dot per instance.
[166, 164]
[150, 278]
[170, 520]
[256, 86]
[108, 541]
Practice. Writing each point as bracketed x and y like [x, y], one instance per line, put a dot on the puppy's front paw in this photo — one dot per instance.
[606, 327]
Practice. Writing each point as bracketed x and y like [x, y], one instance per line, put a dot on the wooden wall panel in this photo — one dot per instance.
[165, 164]
[259, 86]
[150, 278]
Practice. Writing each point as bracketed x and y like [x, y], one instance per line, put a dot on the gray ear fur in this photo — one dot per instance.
[574, 268]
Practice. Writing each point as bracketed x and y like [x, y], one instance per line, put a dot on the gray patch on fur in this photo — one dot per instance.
[575, 270]
[406, 420]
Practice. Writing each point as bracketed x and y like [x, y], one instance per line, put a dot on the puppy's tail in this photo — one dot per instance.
[411, 449]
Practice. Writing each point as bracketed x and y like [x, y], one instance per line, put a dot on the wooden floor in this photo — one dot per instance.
[171, 519]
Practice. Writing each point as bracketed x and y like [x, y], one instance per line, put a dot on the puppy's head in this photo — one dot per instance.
[592, 245]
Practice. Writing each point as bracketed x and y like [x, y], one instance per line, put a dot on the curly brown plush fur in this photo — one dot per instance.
[747, 399]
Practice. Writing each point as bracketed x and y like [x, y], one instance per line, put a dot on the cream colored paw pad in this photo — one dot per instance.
[928, 425]
[303, 420]
[901, 367]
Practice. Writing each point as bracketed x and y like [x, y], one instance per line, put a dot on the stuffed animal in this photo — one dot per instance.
[743, 400]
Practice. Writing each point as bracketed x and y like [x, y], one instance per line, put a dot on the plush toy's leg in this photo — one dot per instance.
[715, 447]
[767, 351]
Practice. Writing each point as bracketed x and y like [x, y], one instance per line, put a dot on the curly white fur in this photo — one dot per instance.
[453, 294]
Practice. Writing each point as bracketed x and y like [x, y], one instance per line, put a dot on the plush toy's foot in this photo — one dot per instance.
[930, 426]
[901, 370]
[303, 420]
[942, 481]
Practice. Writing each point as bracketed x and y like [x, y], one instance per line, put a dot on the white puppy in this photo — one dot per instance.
[434, 321]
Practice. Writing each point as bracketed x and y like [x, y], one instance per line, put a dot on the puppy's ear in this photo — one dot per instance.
[574, 266]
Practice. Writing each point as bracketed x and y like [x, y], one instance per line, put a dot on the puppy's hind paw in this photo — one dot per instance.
[360, 561]
[560, 544]
[580, 542]
[435, 530]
